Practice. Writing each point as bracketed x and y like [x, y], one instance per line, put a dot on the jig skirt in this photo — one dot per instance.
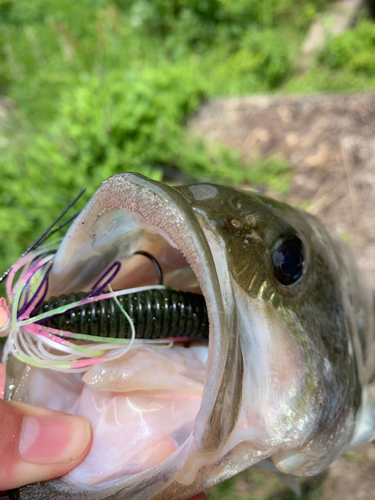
[72, 332]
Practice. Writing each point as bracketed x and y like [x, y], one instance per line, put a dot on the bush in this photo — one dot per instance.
[353, 50]
[263, 54]
[200, 20]
[123, 121]
[103, 86]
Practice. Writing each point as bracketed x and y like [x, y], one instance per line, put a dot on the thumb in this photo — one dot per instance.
[38, 444]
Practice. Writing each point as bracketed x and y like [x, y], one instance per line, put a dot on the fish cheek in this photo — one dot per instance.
[278, 412]
[326, 400]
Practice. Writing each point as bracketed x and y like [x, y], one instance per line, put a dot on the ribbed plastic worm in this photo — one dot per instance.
[156, 314]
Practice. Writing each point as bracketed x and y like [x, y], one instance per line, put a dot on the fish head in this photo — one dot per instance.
[304, 324]
[289, 351]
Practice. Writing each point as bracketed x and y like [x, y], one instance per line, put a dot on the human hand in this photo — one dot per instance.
[38, 444]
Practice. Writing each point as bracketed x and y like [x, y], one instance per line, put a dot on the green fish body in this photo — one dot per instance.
[291, 349]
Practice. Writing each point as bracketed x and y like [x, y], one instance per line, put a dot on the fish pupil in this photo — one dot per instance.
[288, 262]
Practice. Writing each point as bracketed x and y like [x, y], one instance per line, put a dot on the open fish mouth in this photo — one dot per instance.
[143, 405]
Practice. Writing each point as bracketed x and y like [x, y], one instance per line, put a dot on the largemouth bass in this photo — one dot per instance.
[291, 349]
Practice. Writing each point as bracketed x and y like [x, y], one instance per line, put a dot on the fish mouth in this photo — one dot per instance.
[156, 413]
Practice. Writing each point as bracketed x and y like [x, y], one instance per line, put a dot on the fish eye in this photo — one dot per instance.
[288, 261]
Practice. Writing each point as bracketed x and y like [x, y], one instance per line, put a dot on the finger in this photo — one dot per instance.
[38, 444]
[2, 380]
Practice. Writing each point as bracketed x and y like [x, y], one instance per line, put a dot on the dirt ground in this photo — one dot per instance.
[329, 141]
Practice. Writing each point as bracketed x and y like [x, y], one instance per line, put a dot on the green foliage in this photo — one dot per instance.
[107, 122]
[255, 484]
[322, 79]
[263, 55]
[202, 21]
[352, 51]
[105, 86]
[104, 125]
[273, 171]
[45, 44]
[346, 64]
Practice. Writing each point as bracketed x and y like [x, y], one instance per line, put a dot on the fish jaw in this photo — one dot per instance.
[164, 209]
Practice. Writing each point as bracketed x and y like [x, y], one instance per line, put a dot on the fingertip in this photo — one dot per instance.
[39, 444]
[2, 380]
[53, 439]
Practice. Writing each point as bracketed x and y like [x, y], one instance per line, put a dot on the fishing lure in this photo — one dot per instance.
[72, 332]
[157, 313]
